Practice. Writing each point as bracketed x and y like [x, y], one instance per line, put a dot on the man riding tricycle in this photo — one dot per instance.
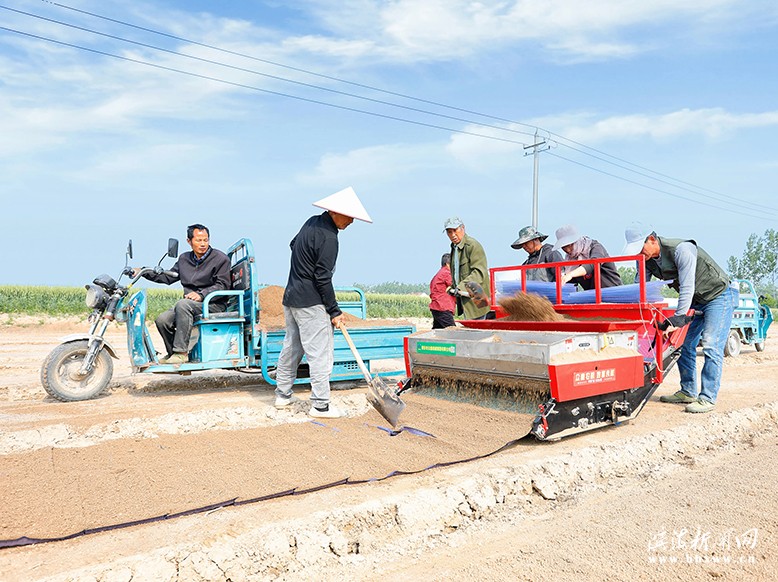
[230, 337]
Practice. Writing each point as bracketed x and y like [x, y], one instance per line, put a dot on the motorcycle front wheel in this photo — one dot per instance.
[60, 372]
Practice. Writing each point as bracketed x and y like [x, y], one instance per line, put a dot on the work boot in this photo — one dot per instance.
[175, 358]
[700, 405]
[679, 397]
[328, 412]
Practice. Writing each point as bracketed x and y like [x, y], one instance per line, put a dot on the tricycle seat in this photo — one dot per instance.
[223, 315]
[241, 286]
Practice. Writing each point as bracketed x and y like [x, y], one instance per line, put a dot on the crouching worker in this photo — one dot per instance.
[310, 308]
[202, 270]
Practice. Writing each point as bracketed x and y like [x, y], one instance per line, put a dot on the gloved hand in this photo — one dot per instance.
[477, 294]
[453, 291]
[675, 321]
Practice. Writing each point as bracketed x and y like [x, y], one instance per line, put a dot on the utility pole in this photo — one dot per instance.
[536, 147]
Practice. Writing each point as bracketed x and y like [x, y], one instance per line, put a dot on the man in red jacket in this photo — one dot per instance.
[442, 304]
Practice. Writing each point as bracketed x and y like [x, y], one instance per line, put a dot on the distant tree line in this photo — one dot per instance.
[395, 288]
[627, 275]
[759, 263]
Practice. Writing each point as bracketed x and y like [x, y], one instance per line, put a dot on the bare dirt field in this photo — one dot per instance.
[668, 496]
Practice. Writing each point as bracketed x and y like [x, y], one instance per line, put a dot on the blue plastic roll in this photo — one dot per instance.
[620, 294]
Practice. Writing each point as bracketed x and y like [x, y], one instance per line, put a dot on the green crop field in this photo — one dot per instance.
[61, 301]
[385, 305]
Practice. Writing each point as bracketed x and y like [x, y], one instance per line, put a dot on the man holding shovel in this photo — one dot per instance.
[310, 307]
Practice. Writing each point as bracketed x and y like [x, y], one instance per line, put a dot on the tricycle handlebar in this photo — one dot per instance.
[145, 270]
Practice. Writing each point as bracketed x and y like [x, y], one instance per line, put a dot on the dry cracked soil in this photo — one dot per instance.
[668, 496]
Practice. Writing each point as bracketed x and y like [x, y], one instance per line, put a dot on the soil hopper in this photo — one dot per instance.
[597, 365]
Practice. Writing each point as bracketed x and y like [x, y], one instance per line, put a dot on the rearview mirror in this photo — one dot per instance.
[172, 247]
[129, 248]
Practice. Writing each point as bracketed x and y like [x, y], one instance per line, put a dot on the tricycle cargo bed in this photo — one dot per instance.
[373, 343]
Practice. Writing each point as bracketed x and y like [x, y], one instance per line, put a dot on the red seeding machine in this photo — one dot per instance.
[595, 364]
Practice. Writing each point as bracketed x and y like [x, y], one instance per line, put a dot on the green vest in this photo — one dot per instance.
[710, 280]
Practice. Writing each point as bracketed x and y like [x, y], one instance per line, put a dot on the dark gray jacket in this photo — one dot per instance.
[609, 274]
[546, 254]
[211, 273]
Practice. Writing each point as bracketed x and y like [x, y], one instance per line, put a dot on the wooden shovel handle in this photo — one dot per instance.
[365, 372]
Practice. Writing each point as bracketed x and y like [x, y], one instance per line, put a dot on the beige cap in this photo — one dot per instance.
[345, 202]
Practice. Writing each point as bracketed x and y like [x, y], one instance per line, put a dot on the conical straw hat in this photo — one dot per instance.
[345, 202]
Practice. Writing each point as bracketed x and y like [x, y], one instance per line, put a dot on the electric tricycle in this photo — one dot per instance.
[81, 367]
[750, 321]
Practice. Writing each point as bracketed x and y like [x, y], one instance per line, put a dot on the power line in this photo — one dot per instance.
[253, 88]
[656, 189]
[373, 100]
[725, 200]
[696, 189]
[254, 72]
[285, 66]
[721, 196]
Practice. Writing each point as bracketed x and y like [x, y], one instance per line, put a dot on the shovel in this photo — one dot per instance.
[383, 398]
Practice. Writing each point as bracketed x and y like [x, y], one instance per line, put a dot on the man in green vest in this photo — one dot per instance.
[702, 286]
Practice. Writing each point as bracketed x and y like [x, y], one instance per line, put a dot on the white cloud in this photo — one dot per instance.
[53, 94]
[486, 155]
[154, 160]
[580, 49]
[377, 163]
[570, 29]
[711, 123]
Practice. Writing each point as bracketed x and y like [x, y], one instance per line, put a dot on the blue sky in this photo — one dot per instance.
[655, 110]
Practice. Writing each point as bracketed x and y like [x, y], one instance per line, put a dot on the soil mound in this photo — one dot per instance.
[270, 301]
[272, 311]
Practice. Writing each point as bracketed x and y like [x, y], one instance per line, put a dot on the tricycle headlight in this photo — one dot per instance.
[96, 298]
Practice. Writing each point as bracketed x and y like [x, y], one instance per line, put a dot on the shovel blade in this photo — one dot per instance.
[385, 400]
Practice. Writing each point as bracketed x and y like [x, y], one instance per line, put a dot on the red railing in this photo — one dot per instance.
[641, 267]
